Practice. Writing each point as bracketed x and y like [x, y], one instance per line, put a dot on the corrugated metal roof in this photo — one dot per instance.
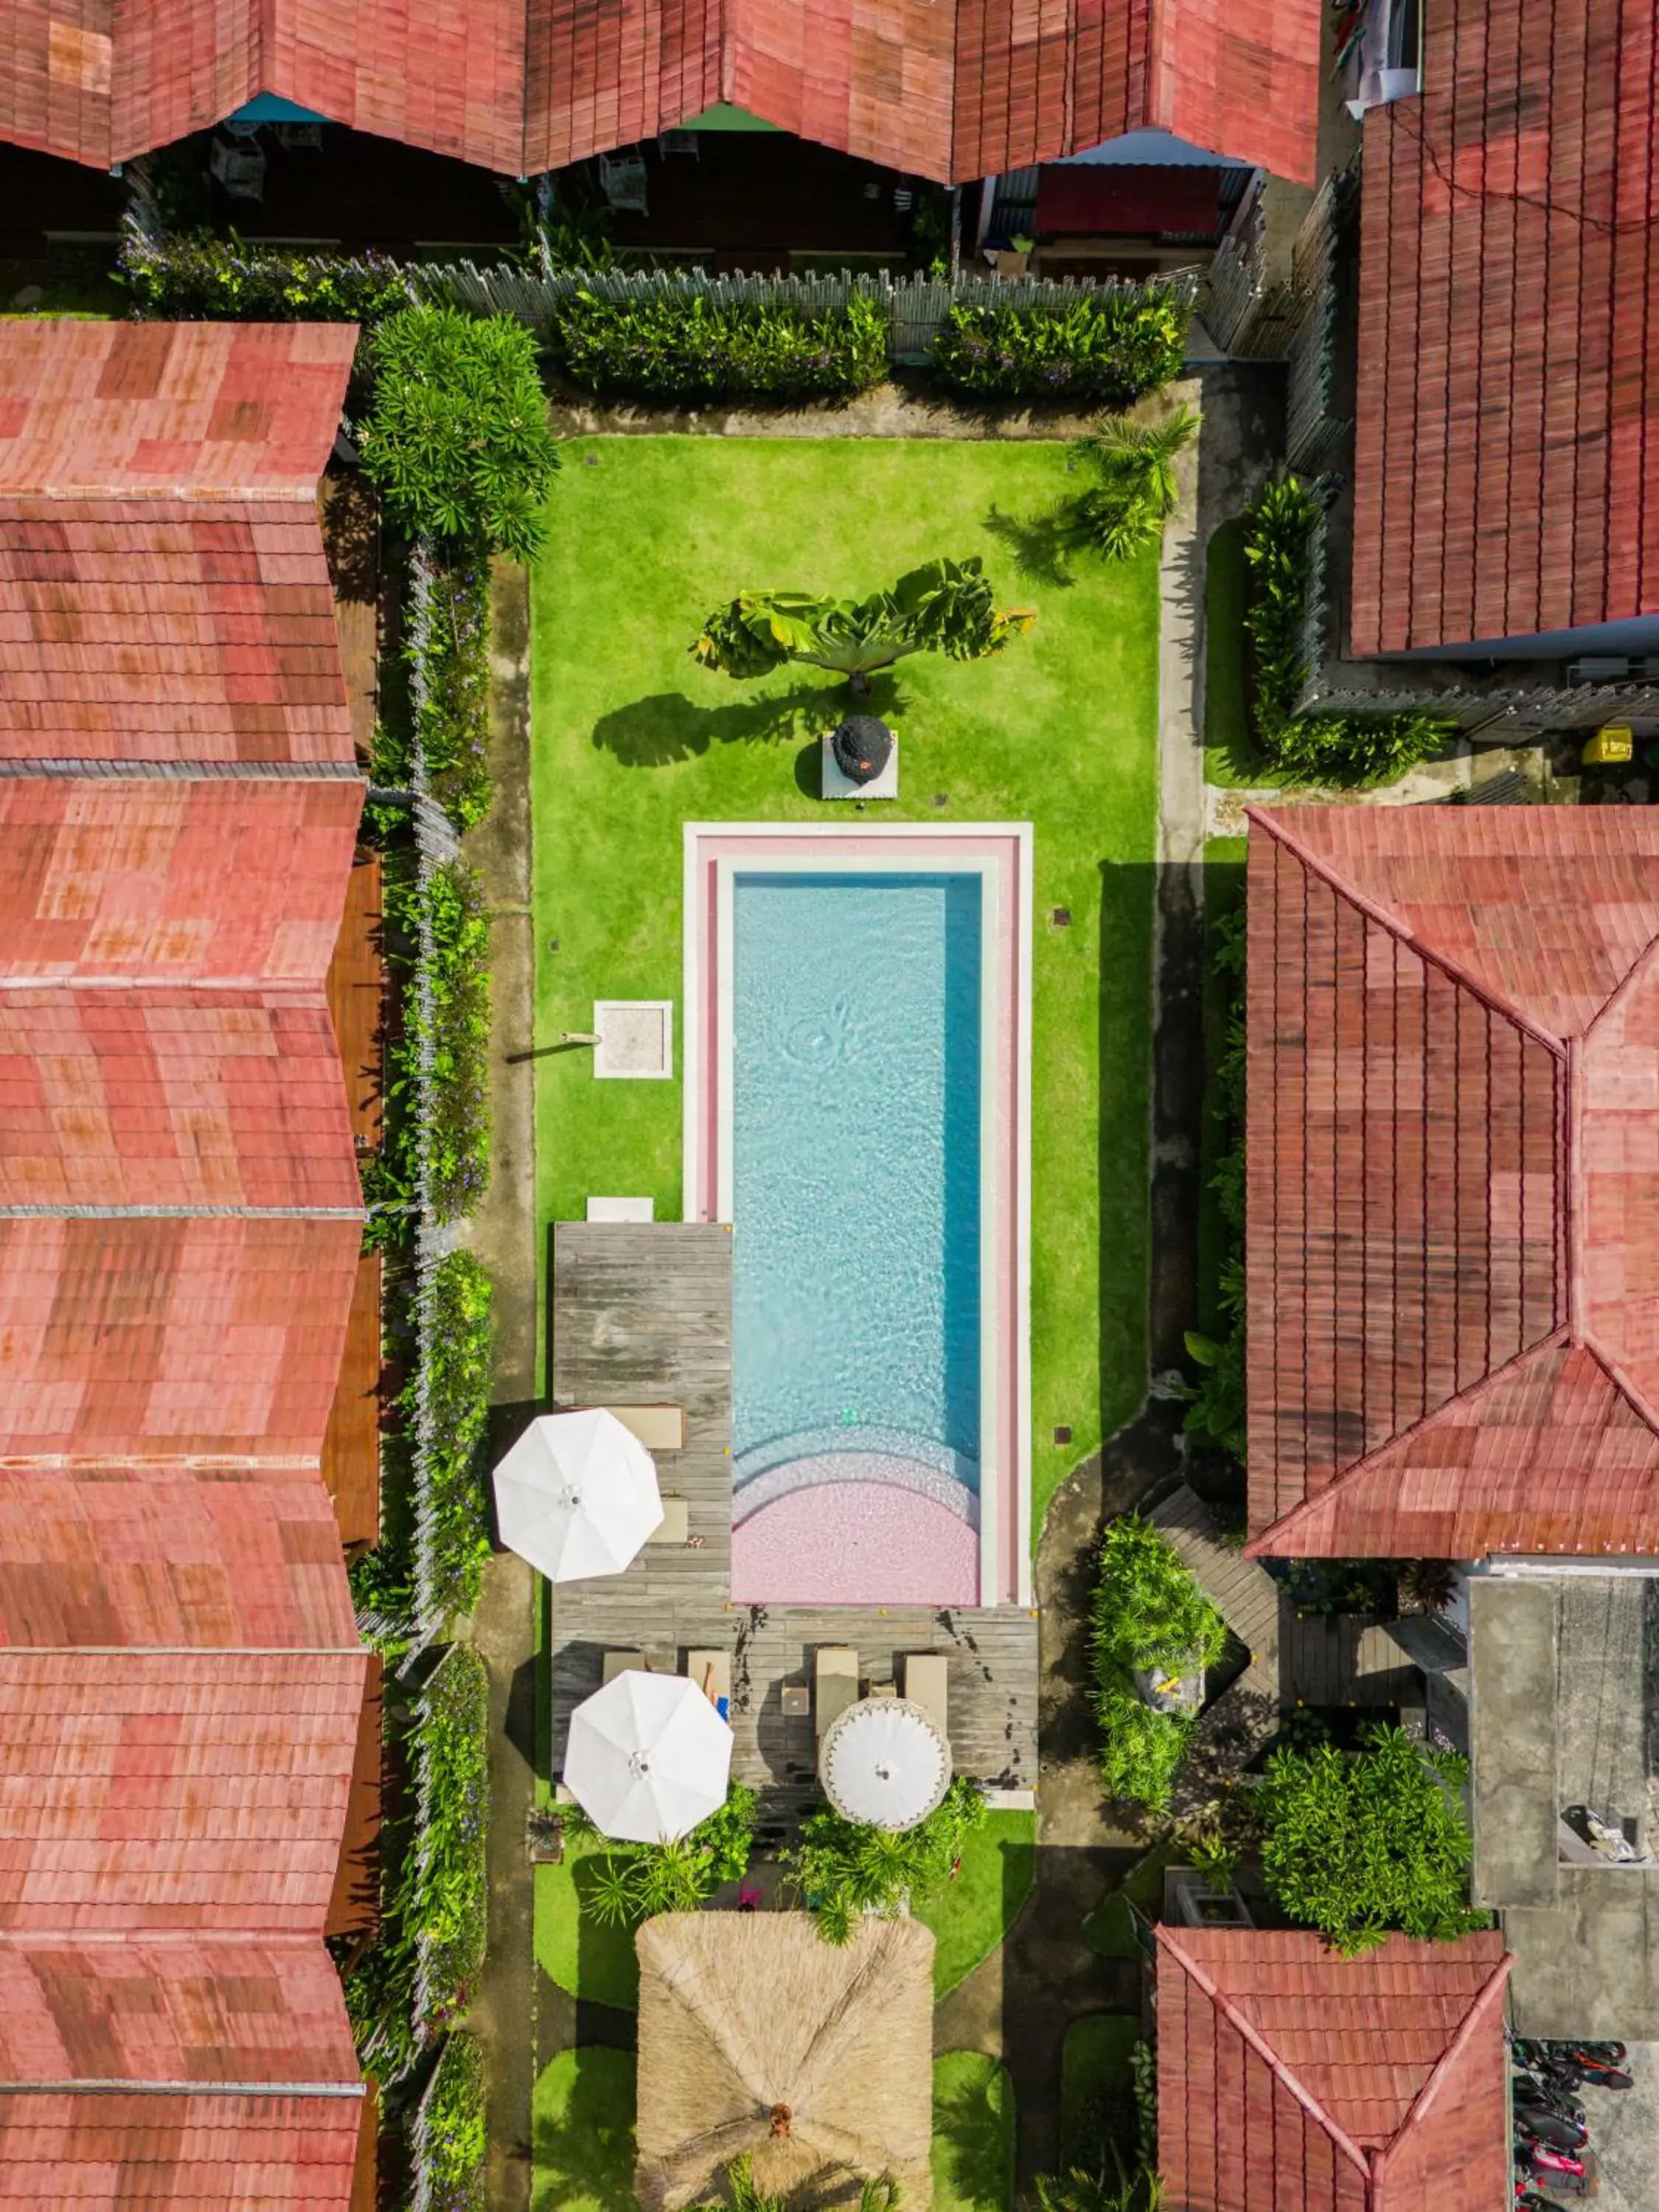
[1506, 467]
[945, 88]
[1290, 2077]
[1453, 1108]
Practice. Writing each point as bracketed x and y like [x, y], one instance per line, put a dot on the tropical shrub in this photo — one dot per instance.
[1125, 509]
[635, 1881]
[461, 1341]
[681, 347]
[744, 2194]
[452, 717]
[1217, 1413]
[457, 436]
[1096, 2188]
[450, 2135]
[438, 1096]
[196, 276]
[1147, 1614]
[442, 1903]
[1313, 748]
[1103, 350]
[843, 1868]
[945, 606]
[1358, 1843]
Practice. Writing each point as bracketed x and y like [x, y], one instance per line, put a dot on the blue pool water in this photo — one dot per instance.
[856, 1157]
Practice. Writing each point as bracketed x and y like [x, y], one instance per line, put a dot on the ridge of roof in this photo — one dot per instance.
[1274, 824]
[1490, 1992]
[1262, 1548]
[1198, 1972]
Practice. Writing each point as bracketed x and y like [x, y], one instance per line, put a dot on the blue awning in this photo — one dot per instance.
[267, 107]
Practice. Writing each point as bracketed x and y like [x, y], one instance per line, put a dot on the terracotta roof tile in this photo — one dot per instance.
[195, 2154]
[186, 881]
[945, 92]
[215, 1336]
[1453, 1121]
[1290, 2077]
[185, 2010]
[180, 1790]
[171, 1555]
[1506, 467]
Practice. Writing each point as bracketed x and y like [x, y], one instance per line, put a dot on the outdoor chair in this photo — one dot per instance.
[658, 1428]
[836, 1684]
[621, 180]
[712, 1672]
[624, 1663]
[927, 1684]
[676, 1523]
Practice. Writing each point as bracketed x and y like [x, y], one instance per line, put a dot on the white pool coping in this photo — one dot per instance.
[1005, 1157]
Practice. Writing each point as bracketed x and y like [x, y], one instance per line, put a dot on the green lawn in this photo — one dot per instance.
[582, 2122]
[630, 739]
[1095, 2102]
[971, 1917]
[973, 2133]
[1109, 1929]
[575, 1950]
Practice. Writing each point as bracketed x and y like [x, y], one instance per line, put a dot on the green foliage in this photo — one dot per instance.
[1100, 2189]
[1315, 748]
[453, 718]
[457, 436]
[681, 347]
[462, 1338]
[1134, 491]
[1358, 1843]
[442, 1901]
[445, 1112]
[1103, 350]
[634, 1882]
[195, 276]
[1330, 1587]
[945, 606]
[843, 1868]
[743, 2195]
[1147, 1612]
[1217, 1413]
[452, 2138]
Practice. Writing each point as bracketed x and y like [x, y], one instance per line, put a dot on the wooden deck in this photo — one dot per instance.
[1245, 1595]
[354, 1909]
[1344, 1660]
[351, 1444]
[642, 1315]
[356, 989]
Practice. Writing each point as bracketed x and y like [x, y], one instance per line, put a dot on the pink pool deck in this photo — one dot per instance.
[839, 1529]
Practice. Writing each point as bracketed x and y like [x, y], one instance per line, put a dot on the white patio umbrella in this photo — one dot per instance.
[884, 1762]
[649, 1757]
[577, 1495]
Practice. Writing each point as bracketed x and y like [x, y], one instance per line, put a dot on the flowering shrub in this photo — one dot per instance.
[457, 436]
[442, 1904]
[1104, 350]
[450, 2137]
[679, 347]
[195, 276]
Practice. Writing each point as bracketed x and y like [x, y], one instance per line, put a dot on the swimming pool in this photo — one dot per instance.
[856, 1110]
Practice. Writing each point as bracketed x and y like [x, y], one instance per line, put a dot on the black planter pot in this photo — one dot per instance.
[862, 746]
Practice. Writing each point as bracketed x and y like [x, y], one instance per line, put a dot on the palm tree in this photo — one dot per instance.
[742, 2194]
[1135, 494]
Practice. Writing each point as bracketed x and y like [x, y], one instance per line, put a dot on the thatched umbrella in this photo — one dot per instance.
[754, 2035]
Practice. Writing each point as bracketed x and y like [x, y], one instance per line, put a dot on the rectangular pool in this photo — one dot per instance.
[855, 1109]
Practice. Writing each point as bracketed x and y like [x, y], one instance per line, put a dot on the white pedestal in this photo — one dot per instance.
[835, 785]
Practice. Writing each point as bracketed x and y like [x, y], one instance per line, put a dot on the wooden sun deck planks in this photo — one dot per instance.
[1243, 1594]
[642, 1315]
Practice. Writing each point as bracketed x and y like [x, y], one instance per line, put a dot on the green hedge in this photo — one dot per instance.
[1147, 1614]
[195, 276]
[450, 2136]
[449, 675]
[451, 1106]
[1217, 1410]
[443, 1901]
[1103, 351]
[681, 347]
[463, 1343]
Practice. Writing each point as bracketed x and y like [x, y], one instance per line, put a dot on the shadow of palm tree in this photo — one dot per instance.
[584, 2132]
[668, 726]
[974, 2129]
[1041, 545]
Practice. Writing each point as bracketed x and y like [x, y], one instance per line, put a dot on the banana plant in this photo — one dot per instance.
[945, 606]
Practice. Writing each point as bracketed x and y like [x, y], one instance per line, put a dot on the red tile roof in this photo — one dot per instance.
[1506, 469]
[185, 2009]
[200, 2153]
[945, 88]
[1452, 1142]
[1293, 2078]
[170, 1556]
[189, 881]
[183, 1790]
[214, 1335]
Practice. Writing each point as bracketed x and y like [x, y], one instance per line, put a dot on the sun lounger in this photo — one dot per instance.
[835, 1680]
[926, 1676]
[676, 1524]
[658, 1428]
[624, 1662]
[712, 1672]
